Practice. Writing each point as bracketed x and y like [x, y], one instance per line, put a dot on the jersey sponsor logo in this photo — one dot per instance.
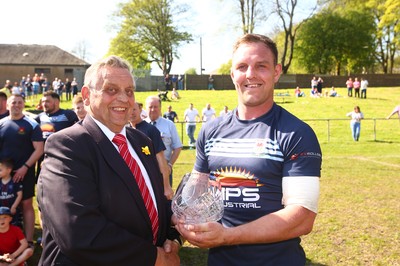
[240, 189]
[235, 177]
[305, 154]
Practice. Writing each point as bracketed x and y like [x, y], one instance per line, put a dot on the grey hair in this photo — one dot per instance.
[91, 75]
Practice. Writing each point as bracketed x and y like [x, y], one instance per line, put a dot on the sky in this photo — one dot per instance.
[67, 23]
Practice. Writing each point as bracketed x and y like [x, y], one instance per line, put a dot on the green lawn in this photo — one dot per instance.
[359, 210]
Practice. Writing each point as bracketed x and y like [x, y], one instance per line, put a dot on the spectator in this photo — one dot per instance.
[320, 82]
[364, 86]
[299, 93]
[349, 85]
[268, 163]
[3, 105]
[53, 118]
[16, 89]
[211, 82]
[11, 192]
[14, 248]
[45, 85]
[143, 114]
[174, 81]
[355, 123]
[22, 141]
[225, 111]
[314, 83]
[208, 113]
[154, 134]
[68, 89]
[175, 94]
[79, 107]
[180, 82]
[171, 115]
[60, 88]
[191, 117]
[314, 93]
[167, 82]
[169, 134]
[333, 92]
[356, 86]
[35, 86]
[74, 85]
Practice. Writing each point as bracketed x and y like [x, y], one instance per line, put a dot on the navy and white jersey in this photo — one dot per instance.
[16, 137]
[250, 158]
[50, 123]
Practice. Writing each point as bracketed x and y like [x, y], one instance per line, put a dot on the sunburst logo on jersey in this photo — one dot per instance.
[236, 177]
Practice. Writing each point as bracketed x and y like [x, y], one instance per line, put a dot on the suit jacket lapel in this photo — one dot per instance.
[116, 162]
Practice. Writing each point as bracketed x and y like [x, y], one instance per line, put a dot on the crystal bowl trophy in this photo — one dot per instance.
[198, 199]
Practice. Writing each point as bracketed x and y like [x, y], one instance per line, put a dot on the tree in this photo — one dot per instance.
[286, 11]
[225, 69]
[80, 49]
[191, 71]
[386, 14]
[130, 50]
[250, 12]
[349, 46]
[148, 24]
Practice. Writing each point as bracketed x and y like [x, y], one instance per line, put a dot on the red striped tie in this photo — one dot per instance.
[120, 141]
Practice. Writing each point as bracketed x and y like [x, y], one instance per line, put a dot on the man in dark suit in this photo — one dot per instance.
[92, 208]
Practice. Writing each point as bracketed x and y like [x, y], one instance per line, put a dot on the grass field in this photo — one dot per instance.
[359, 210]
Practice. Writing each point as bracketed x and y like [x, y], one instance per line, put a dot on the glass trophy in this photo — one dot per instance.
[198, 199]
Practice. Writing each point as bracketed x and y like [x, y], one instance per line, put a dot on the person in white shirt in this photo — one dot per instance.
[225, 112]
[208, 113]
[191, 117]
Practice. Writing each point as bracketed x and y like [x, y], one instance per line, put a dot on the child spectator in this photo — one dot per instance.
[298, 92]
[14, 249]
[11, 193]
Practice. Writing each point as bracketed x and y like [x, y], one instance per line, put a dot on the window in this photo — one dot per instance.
[42, 70]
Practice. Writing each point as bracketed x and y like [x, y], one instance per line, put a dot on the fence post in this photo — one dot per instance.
[329, 130]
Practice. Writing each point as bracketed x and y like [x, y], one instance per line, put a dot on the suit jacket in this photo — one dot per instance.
[92, 209]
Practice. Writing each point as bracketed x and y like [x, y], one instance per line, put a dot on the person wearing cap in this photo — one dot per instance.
[14, 249]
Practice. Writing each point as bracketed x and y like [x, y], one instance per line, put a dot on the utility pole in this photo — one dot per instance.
[201, 57]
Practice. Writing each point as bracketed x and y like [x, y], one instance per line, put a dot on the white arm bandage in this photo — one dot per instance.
[301, 190]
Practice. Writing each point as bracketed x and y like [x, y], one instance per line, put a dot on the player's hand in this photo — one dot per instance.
[205, 235]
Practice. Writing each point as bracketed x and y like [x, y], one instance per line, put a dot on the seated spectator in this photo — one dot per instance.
[163, 95]
[314, 93]
[14, 249]
[299, 93]
[333, 92]
[175, 94]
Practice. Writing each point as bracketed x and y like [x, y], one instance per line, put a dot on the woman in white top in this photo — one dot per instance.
[355, 123]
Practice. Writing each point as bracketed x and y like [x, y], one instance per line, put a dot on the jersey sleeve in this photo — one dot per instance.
[303, 156]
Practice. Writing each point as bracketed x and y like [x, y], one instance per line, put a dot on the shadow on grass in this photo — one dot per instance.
[311, 263]
[193, 256]
[383, 141]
